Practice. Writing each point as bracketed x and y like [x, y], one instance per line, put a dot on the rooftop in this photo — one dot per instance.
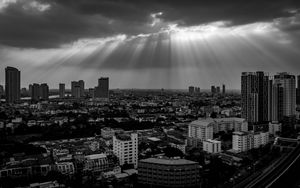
[203, 122]
[95, 156]
[168, 161]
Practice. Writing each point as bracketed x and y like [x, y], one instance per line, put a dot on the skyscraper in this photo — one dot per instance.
[255, 97]
[44, 91]
[213, 89]
[12, 84]
[102, 90]
[191, 89]
[218, 89]
[62, 90]
[287, 83]
[77, 88]
[223, 89]
[35, 92]
[298, 91]
[81, 85]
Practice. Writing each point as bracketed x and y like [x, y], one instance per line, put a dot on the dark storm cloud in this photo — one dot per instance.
[69, 20]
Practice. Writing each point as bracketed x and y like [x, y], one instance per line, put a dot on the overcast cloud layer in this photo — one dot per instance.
[48, 23]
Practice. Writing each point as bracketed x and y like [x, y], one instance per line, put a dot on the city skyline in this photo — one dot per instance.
[191, 43]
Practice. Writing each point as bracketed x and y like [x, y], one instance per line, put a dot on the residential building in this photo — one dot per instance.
[212, 146]
[125, 147]
[244, 141]
[255, 96]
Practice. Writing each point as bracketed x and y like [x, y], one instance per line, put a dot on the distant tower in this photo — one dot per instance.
[81, 85]
[62, 89]
[213, 89]
[35, 92]
[218, 89]
[12, 84]
[191, 89]
[102, 90]
[223, 89]
[44, 91]
[77, 89]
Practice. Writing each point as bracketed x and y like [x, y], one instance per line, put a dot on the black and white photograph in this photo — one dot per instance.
[149, 94]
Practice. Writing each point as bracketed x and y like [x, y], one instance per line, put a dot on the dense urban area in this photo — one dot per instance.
[101, 137]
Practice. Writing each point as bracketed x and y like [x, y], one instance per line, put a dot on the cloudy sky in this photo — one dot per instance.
[148, 43]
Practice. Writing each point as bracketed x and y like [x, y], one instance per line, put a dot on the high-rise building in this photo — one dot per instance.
[30, 89]
[1, 91]
[12, 84]
[102, 90]
[287, 85]
[298, 91]
[77, 89]
[81, 85]
[213, 89]
[125, 147]
[62, 90]
[191, 89]
[255, 97]
[277, 102]
[44, 91]
[223, 89]
[35, 92]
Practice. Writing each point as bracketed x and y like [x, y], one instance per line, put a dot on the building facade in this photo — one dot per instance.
[159, 172]
[212, 146]
[125, 147]
[12, 84]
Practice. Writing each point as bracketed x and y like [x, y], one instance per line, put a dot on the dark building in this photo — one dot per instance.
[77, 89]
[12, 84]
[62, 89]
[102, 90]
[218, 89]
[213, 89]
[298, 90]
[255, 97]
[191, 89]
[223, 89]
[159, 172]
[44, 91]
[35, 92]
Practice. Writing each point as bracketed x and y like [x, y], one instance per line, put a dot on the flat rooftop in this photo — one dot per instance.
[167, 161]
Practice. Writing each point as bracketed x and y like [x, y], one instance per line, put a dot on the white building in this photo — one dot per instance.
[227, 124]
[274, 128]
[201, 129]
[125, 147]
[212, 146]
[244, 141]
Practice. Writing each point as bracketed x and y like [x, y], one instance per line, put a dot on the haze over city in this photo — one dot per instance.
[148, 44]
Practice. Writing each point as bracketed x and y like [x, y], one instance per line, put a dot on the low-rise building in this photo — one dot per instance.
[244, 141]
[212, 146]
[160, 172]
